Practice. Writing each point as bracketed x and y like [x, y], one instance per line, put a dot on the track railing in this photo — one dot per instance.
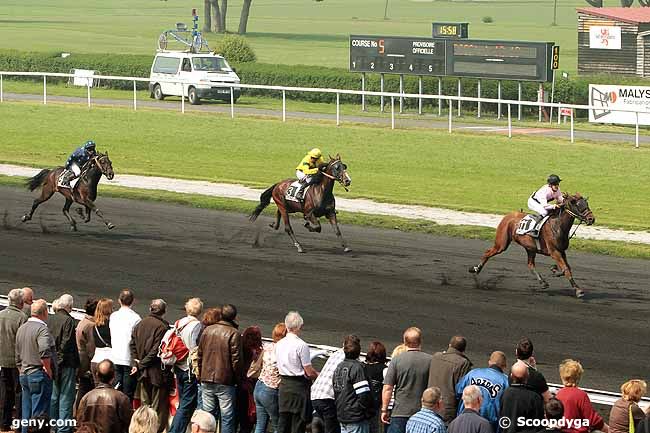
[447, 99]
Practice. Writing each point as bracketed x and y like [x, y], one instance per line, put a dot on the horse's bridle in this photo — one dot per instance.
[581, 217]
[332, 177]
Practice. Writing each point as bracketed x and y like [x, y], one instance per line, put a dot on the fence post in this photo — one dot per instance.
[439, 95]
[381, 89]
[636, 134]
[88, 88]
[509, 123]
[2, 96]
[338, 109]
[499, 98]
[519, 99]
[478, 95]
[135, 97]
[44, 89]
[420, 92]
[284, 105]
[182, 98]
[450, 115]
[392, 112]
[572, 137]
[540, 99]
[363, 91]
[401, 92]
[459, 96]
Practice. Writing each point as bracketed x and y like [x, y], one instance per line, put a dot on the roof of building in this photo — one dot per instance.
[628, 15]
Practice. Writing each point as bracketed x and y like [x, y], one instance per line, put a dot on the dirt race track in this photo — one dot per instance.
[390, 281]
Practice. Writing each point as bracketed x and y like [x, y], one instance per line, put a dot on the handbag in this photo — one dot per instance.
[256, 367]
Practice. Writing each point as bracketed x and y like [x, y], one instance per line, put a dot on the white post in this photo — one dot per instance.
[44, 90]
[439, 95]
[88, 90]
[509, 123]
[392, 112]
[499, 98]
[420, 92]
[459, 96]
[450, 112]
[478, 95]
[401, 91]
[636, 134]
[540, 99]
[381, 89]
[232, 102]
[519, 99]
[2, 96]
[550, 116]
[284, 105]
[363, 90]
[182, 98]
[135, 98]
[338, 109]
[572, 138]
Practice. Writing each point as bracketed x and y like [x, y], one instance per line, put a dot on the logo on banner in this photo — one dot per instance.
[602, 100]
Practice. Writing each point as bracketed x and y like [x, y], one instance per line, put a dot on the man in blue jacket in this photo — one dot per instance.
[76, 161]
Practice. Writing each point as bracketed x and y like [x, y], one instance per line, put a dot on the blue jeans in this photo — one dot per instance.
[219, 400]
[63, 395]
[37, 391]
[266, 406]
[359, 427]
[397, 424]
[187, 388]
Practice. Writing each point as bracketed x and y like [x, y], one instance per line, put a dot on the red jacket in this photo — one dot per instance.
[578, 406]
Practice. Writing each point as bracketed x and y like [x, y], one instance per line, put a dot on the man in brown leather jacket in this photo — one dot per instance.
[220, 363]
[104, 405]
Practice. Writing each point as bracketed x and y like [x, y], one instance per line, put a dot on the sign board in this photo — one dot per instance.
[607, 98]
[83, 77]
[566, 111]
[605, 37]
[555, 60]
[450, 30]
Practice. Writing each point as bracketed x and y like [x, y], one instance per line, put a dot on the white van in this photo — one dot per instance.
[176, 73]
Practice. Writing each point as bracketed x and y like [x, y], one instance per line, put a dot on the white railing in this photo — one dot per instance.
[450, 99]
[596, 396]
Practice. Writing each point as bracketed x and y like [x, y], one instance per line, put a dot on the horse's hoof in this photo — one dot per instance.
[25, 218]
[545, 285]
[272, 226]
[347, 250]
[110, 226]
[73, 228]
[580, 293]
[474, 270]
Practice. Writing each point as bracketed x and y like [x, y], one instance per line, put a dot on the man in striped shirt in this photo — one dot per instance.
[354, 403]
[427, 419]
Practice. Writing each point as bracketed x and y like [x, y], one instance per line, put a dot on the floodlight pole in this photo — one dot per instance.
[386, 11]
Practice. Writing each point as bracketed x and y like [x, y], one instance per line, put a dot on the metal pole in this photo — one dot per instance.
[636, 134]
[338, 109]
[401, 91]
[44, 90]
[420, 92]
[572, 138]
[2, 96]
[182, 99]
[559, 110]
[540, 99]
[363, 89]
[392, 112]
[519, 99]
[499, 98]
[478, 95]
[284, 105]
[381, 89]
[459, 96]
[135, 99]
[232, 102]
[509, 123]
[450, 111]
[88, 91]
[550, 116]
[439, 94]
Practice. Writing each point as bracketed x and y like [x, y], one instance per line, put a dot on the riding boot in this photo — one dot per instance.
[66, 179]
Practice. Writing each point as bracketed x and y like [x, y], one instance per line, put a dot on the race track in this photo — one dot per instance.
[390, 281]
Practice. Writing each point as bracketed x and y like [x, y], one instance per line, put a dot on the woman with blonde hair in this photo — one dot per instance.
[102, 333]
[144, 420]
[626, 413]
[577, 405]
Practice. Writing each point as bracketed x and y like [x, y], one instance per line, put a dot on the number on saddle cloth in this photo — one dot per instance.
[293, 192]
[531, 225]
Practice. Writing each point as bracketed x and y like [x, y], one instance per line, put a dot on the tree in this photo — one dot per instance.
[207, 19]
[216, 16]
[224, 12]
[243, 18]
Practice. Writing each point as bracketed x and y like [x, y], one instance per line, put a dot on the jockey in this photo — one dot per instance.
[309, 166]
[76, 161]
[538, 201]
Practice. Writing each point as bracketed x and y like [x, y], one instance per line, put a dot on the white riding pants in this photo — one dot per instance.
[300, 175]
[75, 169]
[537, 207]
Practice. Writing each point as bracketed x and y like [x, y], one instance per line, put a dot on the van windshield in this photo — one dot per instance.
[211, 64]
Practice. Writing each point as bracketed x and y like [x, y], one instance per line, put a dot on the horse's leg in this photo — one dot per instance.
[46, 193]
[501, 243]
[335, 225]
[91, 206]
[276, 225]
[531, 268]
[288, 229]
[565, 269]
[312, 224]
[66, 212]
[84, 213]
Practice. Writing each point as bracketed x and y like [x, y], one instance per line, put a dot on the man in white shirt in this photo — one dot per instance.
[121, 324]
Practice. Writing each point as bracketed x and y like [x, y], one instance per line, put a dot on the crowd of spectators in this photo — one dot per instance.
[116, 372]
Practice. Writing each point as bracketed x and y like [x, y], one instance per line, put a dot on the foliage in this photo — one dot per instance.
[236, 49]
[487, 19]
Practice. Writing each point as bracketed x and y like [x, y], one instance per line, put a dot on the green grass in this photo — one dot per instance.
[616, 249]
[459, 171]
[290, 32]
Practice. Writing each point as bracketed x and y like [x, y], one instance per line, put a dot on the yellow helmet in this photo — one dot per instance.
[315, 153]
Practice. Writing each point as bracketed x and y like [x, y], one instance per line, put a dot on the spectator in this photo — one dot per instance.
[407, 376]
[144, 420]
[11, 318]
[188, 327]
[400, 348]
[554, 412]
[470, 420]
[105, 406]
[354, 405]
[154, 383]
[428, 419]
[294, 366]
[520, 401]
[102, 334]
[62, 327]
[446, 370]
[203, 422]
[220, 364]
[36, 362]
[322, 393]
[536, 380]
[121, 324]
[492, 381]
[28, 299]
[375, 370]
[86, 346]
[210, 317]
[252, 350]
[266, 388]
[626, 413]
[575, 401]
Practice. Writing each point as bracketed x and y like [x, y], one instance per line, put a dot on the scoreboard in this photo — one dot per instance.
[508, 60]
[397, 55]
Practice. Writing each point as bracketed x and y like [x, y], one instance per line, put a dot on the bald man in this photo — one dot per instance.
[492, 382]
[520, 401]
[28, 299]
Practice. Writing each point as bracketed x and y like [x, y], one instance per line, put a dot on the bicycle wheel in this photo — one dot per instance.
[198, 43]
[162, 41]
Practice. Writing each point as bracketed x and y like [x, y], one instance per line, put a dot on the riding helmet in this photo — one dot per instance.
[315, 153]
[554, 179]
[89, 145]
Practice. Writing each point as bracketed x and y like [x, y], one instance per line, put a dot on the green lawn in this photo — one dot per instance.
[458, 171]
[288, 31]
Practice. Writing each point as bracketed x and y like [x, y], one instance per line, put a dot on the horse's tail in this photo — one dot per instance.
[265, 200]
[38, 180]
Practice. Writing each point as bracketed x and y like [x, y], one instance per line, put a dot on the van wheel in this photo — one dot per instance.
[157, 92]
[193, 97]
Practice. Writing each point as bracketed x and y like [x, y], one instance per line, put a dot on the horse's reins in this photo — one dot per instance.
[333, 178]
[575, 215]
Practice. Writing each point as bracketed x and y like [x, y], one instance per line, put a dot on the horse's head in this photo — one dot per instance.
[578, 206]
[338, 170]
[104, 164]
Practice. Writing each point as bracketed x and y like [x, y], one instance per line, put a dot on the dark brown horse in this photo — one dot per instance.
[553, 238]
[84, 192]
[319, 201]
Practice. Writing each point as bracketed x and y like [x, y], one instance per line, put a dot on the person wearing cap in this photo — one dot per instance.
[203, 422]
[539, 200]
[75, 163]
[307, 170]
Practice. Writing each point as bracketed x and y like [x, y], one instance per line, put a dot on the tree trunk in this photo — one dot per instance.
[243, 19]
[216, 16]
[207, 19]
[224, 12]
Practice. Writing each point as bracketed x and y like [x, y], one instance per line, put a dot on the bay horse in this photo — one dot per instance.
[84, 192]
[553, 238]
[318, 201]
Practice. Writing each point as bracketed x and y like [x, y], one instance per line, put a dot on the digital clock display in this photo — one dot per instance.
[450, 30]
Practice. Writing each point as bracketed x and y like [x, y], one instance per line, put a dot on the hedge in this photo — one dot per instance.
[573, 90]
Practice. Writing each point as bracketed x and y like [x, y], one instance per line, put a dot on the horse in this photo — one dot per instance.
[84, 192]
[318, 201]
[553, 238]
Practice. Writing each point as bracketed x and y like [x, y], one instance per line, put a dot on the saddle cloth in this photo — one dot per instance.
[73, 183]
[293, 192]
[531, 225]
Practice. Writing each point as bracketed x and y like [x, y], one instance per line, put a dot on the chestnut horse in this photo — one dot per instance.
[318, 201]
[553, 238]
[84, 192]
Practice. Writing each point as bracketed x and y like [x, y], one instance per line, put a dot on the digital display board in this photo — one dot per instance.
[450, 30]
[398, 55]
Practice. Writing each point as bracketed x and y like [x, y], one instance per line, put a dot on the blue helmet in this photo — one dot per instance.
[89, 145]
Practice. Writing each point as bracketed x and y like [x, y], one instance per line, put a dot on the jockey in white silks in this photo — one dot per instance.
[539, 200]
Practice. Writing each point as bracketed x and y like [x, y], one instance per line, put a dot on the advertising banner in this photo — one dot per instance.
[607, 98]
[605, 37]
